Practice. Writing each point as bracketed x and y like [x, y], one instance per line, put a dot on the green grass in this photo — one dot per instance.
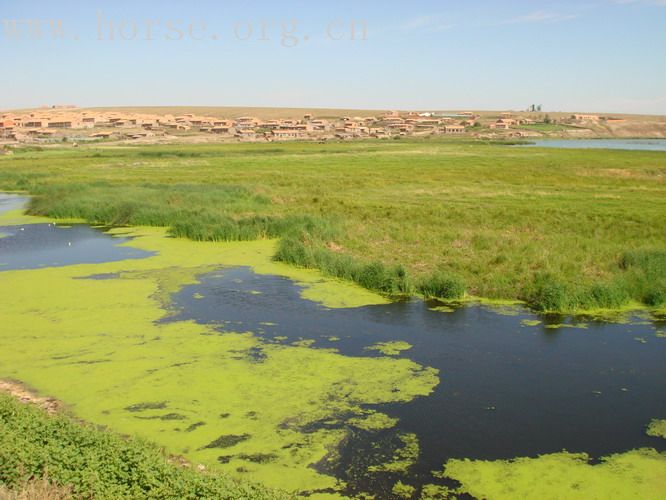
[94, 463]
[560, 229]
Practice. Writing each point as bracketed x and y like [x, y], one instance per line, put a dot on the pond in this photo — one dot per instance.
[511, 384]
[235, 368]
[627, 144]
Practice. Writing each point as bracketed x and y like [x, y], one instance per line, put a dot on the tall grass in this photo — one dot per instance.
[645, 272]
[442, 286]
[305, 246]
[641, 277]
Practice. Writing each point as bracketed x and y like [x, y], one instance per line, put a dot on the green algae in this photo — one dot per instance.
[393, 348]
[559, 326]
[373, 421]
[401, 490]
[303, 343]
[403, 457]
[636, 474]
[154, 368]
[437, 492]
[657, 428]
[443, 309]
[530, 322]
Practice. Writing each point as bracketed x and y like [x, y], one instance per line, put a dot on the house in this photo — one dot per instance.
[63, 123]
[320, 125]
[42, 132]
[454, 129]
[222, 130]
[294, 125]
[286, 134]
[403, 128]
[356, 130]
[428, 122]
[586, 118]
[503, 124]
[35, 123]
[246, 122]
[246, 134]
[378, 133]
[394, 121]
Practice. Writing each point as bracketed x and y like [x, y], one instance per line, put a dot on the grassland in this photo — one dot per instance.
[55, 456]
[563, 230]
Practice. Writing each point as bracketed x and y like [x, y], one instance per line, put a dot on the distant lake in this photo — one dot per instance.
[630, 144]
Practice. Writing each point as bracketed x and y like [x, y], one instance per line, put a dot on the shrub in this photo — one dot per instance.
[606, 296]
[547, 294]
[656, 296]
[442, 286]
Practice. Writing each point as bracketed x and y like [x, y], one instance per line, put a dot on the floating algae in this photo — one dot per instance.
[657, 428]
[178, 374]
[390, 348]
[636, 474]
[403, 457]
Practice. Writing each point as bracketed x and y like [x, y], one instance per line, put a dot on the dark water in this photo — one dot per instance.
[34, 246]
[630, 144]
[506, 389]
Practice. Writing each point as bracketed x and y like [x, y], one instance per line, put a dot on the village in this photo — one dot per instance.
[62, 124]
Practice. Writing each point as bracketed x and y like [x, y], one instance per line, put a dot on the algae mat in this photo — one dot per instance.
[229, 401]
[637, 474]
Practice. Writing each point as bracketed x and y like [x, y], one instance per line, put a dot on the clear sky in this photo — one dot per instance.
[587, 55]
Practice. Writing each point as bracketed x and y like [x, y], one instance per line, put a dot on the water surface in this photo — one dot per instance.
[506, 390]
[34, 246]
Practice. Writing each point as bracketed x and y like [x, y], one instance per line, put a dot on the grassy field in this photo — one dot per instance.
[563, 230]
[54, 456]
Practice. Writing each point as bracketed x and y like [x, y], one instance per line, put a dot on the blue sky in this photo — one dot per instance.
[595, 55]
